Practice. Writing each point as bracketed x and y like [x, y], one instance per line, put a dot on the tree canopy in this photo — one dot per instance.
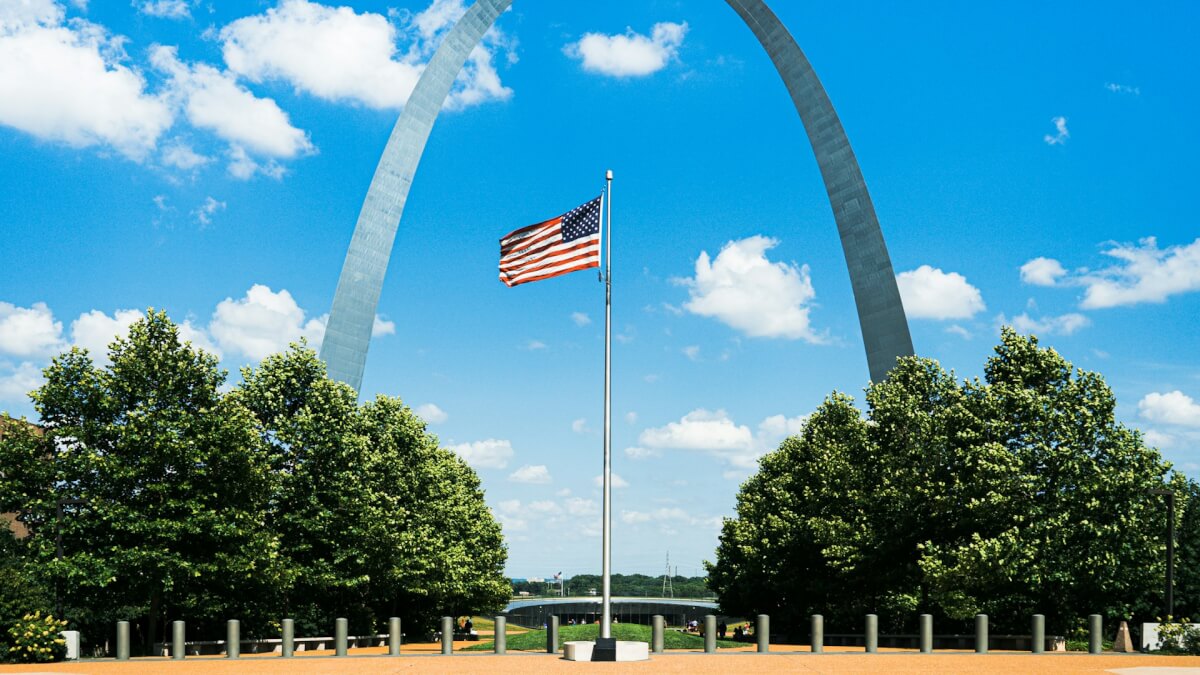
[1014, 495]
[280, 497]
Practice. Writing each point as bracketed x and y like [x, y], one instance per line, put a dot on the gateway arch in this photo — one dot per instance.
[880, 312]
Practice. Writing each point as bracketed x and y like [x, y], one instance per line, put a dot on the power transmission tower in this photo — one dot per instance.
[668, 587]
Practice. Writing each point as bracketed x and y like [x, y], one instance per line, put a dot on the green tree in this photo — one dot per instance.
[172, 483]
[1014, 495]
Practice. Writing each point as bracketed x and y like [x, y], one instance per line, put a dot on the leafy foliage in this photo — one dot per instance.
[35, 639]
[1011, 496]
[282, 497]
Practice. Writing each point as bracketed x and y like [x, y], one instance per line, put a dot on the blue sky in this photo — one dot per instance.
[1031, 164]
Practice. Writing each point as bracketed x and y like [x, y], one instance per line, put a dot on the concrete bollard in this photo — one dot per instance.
[710, 634]
[1037, 644]
[871, 639]
[394, 636]
[122, 640]
[552, 634]
[817, 630]
[926, 633]
[288, 643]
[981, 633]
[447, 635]
[500, 638]
[233, 639]
[341, 628]
[657, 631]
[762, 631]
[178, 639]
[1095, 634]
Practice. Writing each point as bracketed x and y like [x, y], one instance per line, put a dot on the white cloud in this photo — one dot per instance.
[205, 211]
[631, 417]
[1157, 439]
[692, 352]
[1042, 272]
[381, 327]
[431, 413]
[29, 331]
[95, 330]
[634, 517]
[630, 54]
[1061, 134]
[243, 167]
[930, 293]
[580, 426]
[200, 339]
[337, 54]
[714, 433]
[164, 9]
[617, 481]
[1174, 407]
[1122, 88]
[68, 83]
[544, 507]
[17, 380]
[1144, 273]
[215, 101]
[748, 292]
[578, 506]
[672, 514]
[958, 330]
[580, 318]
[261, 323]
[489, 454]
[181, 156]
[531, 473]
[1065, 324]
[535, 345]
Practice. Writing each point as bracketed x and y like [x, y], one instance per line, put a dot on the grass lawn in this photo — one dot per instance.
[535, 640]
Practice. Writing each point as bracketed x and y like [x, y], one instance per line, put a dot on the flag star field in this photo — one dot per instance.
[1031, 165]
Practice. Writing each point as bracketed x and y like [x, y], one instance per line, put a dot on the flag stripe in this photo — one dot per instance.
[524, 232]
[548, 240]
[582, 256]
[551, 253]
[595, 262]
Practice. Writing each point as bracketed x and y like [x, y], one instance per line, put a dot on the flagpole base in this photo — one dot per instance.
[606, 649]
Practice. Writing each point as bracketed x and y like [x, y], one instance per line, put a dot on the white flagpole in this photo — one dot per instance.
[606, 545]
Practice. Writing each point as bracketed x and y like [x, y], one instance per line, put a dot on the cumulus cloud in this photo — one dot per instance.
[205, 211]
[1061, 134]
[578, 506]
[930, 293]
[431, 413]
[17, 380]
[262, 322]
[489, 454]
[671, 514]
[69, 83]
[95, 330]
[629, 54]
[716, 434]
[531, 473]
[1042, 272]
[580, 318]
[1173, 407]
[1065, 324]
[746, 291]
[215, 101]
[1144, 273]
[617, 481]
[337, 54]
[181, 156]
[1117, 88]
[29, 331]
[580, 426]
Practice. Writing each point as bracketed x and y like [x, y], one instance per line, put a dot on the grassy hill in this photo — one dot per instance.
[535, 640]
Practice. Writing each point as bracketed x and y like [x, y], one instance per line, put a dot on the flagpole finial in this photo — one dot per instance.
[608, 174]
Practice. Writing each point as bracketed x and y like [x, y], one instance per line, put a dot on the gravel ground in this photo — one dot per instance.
[422, 659]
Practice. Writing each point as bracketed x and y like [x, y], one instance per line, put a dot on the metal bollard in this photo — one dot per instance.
[710, 634]
[340, 630]
[447, 635]
[871, 639]
[500, 638]
[657, 629]
[233, 639]
[122, 640]
[178, 639]
[926, 633]
[1037, 645]
[552, 634]
[1095, 634]
[981, 633]
[817, 632]
[288, 646]
[762, 631]
[394, 636]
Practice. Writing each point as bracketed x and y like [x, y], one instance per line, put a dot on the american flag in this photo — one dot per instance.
[557, 246]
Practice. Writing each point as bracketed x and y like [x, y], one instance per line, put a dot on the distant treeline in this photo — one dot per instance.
[622, 585]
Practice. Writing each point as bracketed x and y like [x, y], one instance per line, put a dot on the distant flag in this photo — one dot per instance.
[568, 243]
